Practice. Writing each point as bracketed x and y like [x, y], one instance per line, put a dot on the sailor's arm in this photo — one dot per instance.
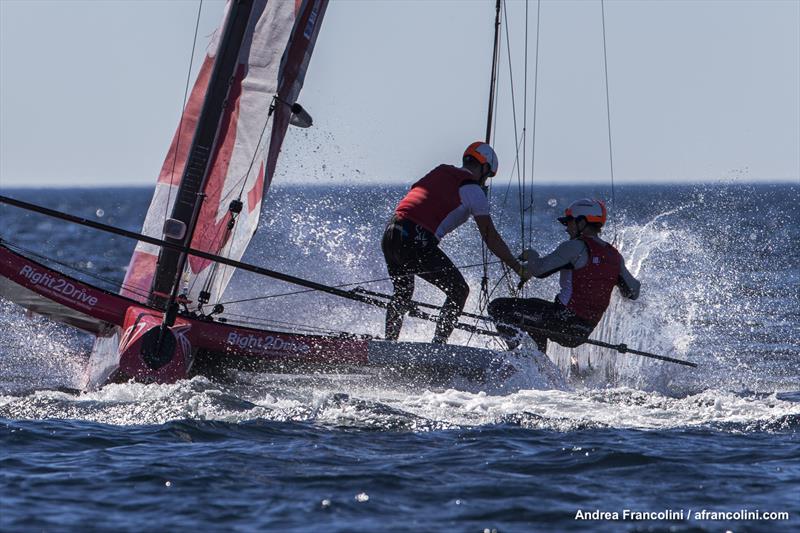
[628, 285]
[474, 199]
[495, 242]
[564, 256]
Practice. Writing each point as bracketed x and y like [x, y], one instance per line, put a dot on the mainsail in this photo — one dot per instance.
[272, 63]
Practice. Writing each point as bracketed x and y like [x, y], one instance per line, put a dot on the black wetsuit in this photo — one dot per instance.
[412, 250]
[541, 320]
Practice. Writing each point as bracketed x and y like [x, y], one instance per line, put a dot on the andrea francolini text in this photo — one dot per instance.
[628, 514]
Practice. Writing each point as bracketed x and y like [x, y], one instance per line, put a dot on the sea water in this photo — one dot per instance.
[621, 442]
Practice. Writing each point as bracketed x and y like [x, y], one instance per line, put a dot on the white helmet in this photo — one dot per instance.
[483, 154]
[594, 211]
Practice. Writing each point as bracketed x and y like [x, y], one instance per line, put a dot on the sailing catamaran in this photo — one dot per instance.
[164, 324]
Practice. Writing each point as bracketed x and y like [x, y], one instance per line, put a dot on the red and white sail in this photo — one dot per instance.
[273, 60]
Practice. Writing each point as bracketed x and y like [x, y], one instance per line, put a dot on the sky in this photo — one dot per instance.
[91, 91]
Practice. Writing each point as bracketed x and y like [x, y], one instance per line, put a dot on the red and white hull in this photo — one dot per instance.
[127, 336]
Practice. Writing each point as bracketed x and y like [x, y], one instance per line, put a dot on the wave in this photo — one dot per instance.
[364, 407]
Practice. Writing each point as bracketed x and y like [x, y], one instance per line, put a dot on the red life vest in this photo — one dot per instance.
[592, 284]
[434, 197]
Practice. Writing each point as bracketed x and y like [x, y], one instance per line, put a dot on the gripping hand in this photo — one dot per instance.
[528, 254]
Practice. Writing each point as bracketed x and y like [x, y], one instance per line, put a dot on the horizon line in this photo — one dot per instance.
[719, 181]
[350, 183]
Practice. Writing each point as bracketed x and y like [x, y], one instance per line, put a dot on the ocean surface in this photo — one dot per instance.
[616, 443]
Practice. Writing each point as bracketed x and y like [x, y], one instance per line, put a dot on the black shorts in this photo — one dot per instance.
[541, 320]
[410, 249]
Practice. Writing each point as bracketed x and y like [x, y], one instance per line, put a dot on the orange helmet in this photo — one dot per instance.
[483, 154]
[594, 211]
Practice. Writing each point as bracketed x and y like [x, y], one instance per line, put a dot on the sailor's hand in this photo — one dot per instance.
[524, 271]
[528, 254]
[527, 272]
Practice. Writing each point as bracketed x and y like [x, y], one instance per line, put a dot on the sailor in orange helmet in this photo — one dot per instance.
[436, 205]
[589, 269]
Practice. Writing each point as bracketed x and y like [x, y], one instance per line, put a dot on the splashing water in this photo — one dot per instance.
[656, 322]
[681, 313]
[321, 400]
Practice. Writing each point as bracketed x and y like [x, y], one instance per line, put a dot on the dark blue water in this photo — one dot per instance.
[263, 475]
[720, 272]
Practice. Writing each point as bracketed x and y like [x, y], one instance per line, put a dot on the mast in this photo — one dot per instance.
[190, 192]
[483, 299]
[494, 72]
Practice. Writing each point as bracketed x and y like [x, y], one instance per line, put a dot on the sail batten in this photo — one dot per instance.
[272, 60]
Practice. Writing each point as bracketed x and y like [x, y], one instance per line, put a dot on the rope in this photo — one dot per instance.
[520, 139]
[234, 217]
[533, 133]
[524, 135]
[241, 191]
[483, 297]
[608, 121]
[485, 319]
[356, 283]
[515, 167]
[183, 110]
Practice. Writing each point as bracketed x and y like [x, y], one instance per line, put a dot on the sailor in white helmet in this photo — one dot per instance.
[589, 269]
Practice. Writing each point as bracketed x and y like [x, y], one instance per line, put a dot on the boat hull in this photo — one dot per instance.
[127, 333]
[195, 347]
[149, 354]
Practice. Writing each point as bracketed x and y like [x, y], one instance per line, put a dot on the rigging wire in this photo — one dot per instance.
[115, 284]
[483, 297]
[515, 167]
[491, 120]
[485, 319]
[521, 139]
[608, 121]
[524, 133]
[209, 280]
[493, 79]
[505, 277]
[203, 152]
[533, 132]
[183, 111]
[232, 224]
[293, 326]
[140, 292]
[365, 282]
